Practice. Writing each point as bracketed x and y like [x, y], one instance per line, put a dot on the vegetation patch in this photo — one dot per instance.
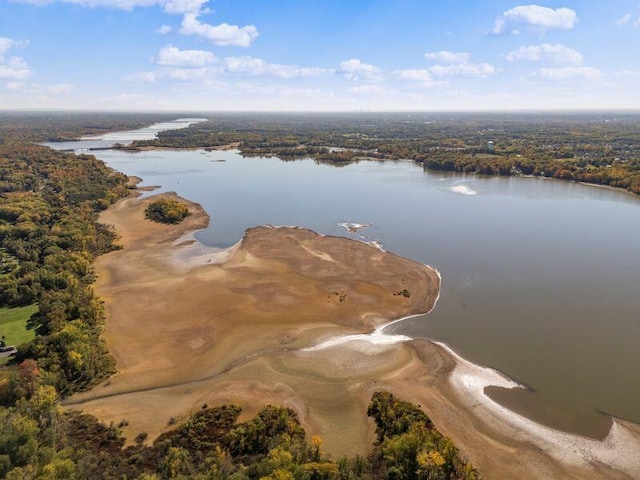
[403, 293]
[212, 444]
[13, 326]
[166, 211]
[49, 238]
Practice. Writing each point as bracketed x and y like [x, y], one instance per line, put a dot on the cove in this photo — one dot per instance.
[541, 278]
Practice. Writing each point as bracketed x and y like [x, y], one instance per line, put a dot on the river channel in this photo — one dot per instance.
[541, 278]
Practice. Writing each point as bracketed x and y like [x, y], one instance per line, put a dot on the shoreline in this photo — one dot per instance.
[565, 447]
[371, 358]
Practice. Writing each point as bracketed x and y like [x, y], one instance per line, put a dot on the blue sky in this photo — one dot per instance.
[319, 55]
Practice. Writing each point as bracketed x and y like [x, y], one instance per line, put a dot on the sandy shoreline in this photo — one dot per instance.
[182, 321]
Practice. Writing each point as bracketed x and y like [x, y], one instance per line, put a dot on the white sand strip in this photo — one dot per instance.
[619, 449]
[354, 227]
[377, 337]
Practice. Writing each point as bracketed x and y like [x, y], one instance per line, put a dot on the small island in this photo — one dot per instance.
[165, 210]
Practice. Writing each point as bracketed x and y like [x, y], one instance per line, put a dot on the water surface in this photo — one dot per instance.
[541, 278]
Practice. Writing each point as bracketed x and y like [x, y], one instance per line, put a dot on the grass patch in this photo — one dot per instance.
[13, 325]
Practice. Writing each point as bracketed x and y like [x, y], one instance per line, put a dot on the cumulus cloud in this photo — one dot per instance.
[534, 18]
[354, 69]
[568, 73]
[457, 64]
[463, 70]
[191, 11]
[184, 74]
[60, 89]
[7, 44]
[414, 75]
[223, 34]
[181, 7]
[169, 6]
[194, 65]
[557, 54]
[368, 90]
[146, 77]
[257, 66]
[174, 57]
[13, 86]
[448, 57]
[420, 77]
[164, 30]
[627, 74]
[623, 20]
[40, 90]
[14, 67]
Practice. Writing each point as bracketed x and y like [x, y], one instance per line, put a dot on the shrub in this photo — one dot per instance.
[166, 211]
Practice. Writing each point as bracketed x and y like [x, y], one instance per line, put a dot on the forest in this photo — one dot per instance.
[49, 239]
[596, 147]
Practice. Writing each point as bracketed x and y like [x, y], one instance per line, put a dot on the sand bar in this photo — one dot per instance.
[190, 325]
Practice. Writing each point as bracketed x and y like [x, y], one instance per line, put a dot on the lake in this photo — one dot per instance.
[541, 278]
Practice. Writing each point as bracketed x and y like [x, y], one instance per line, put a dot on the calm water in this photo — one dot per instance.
[541, 278]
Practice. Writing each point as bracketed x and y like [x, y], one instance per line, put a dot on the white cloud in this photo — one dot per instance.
[420, 76]
[170, 6]
[558, 54]
[448, 57]
[627, 74]
[14, 86]
[223, 34]
[40, 90]
[414, 75]
[147, 77]
[568, 73]
[184, 74]
[181, 7]
[534, 18]
[178, 74]
[174, 57]
[463, 70]
[12, 68]
[354, 69]
[623, 20]
[7, 44]
[164, 30]
[257, 66]
[118, 4]
[194, 65]
[60, 89]
[368, 90]
[38, 3]
[457, 65]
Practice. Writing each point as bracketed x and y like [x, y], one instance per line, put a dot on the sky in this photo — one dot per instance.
[319, 55]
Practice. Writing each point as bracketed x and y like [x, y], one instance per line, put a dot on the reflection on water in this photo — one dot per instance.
[541, 278]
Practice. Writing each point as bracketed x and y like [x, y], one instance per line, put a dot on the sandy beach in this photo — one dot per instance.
[189, 325]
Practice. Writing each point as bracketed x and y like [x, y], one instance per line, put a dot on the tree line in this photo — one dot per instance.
[586, 147]
[40, 441]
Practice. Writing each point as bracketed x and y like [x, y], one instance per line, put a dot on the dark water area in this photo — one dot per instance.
[541, 278]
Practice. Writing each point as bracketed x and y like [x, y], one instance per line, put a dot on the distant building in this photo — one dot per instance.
[490, 146]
